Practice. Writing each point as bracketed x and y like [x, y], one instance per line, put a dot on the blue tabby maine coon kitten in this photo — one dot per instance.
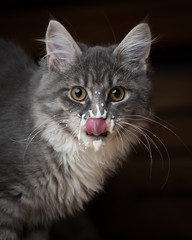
[66, 124]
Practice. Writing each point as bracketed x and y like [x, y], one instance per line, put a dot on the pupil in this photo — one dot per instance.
[78, 92]
[116, 93]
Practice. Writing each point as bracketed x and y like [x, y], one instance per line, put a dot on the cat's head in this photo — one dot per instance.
[97, 95]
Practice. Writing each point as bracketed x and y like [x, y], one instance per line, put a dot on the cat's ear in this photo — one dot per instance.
[135, 47]
[62, 50]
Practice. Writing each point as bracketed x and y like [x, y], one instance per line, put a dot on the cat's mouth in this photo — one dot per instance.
[101, 135]
[96, 127]
[96, 131]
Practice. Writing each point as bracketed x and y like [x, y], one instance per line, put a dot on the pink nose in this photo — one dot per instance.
[95, 126]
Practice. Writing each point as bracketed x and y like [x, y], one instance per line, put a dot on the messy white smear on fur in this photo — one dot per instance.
[97, 144]
[98, 115]
[111, 126]
[82, 124]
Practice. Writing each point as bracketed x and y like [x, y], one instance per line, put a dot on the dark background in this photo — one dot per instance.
[141, 201]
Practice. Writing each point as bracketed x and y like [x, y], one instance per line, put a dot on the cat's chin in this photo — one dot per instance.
[89, 141]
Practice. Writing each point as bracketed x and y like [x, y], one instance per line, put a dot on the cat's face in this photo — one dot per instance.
[100, 94]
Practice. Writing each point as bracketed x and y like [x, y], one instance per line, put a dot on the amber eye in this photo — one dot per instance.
[117, 94]
[78, 93]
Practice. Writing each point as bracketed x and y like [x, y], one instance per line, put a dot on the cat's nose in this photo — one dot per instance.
[98, 112]
[95, 126]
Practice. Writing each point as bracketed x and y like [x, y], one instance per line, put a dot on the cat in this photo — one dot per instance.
[67, 123]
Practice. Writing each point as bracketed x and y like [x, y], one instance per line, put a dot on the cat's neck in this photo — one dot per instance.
[85, 172]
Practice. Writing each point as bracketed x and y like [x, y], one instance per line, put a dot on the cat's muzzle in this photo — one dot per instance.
[96, 127]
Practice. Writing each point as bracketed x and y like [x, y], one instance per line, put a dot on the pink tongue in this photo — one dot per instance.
[95, 126]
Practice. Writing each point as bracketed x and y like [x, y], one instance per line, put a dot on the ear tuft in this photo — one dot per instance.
[62, 50]
[135, 48]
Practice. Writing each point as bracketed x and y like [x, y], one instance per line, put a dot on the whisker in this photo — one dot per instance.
[119, 133]
[28, 144]
[139, 140]
[139, 130]
[169, 129]
[160, 141]
[39, 129]
[160, 153]
[139, 118]
[148, 147]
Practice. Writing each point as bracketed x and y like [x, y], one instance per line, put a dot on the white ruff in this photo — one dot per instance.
[85, 169]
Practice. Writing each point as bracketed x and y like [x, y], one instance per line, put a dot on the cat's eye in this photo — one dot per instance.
[78, 93]
[117, 94]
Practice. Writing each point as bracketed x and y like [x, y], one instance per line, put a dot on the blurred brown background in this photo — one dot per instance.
[141, 201]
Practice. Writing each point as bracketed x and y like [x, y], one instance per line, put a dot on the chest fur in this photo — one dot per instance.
[63, 189]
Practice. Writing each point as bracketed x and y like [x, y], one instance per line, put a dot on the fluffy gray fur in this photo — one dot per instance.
[49, 166]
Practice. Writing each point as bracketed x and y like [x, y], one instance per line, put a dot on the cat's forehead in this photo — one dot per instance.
[98, 67]
[98, 57]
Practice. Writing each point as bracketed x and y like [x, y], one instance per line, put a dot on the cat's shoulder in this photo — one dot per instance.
[16, 70]
[12, 55]
[16, 66]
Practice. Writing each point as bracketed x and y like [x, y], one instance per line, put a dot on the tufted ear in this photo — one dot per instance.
[62, 50]
[135, 47]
